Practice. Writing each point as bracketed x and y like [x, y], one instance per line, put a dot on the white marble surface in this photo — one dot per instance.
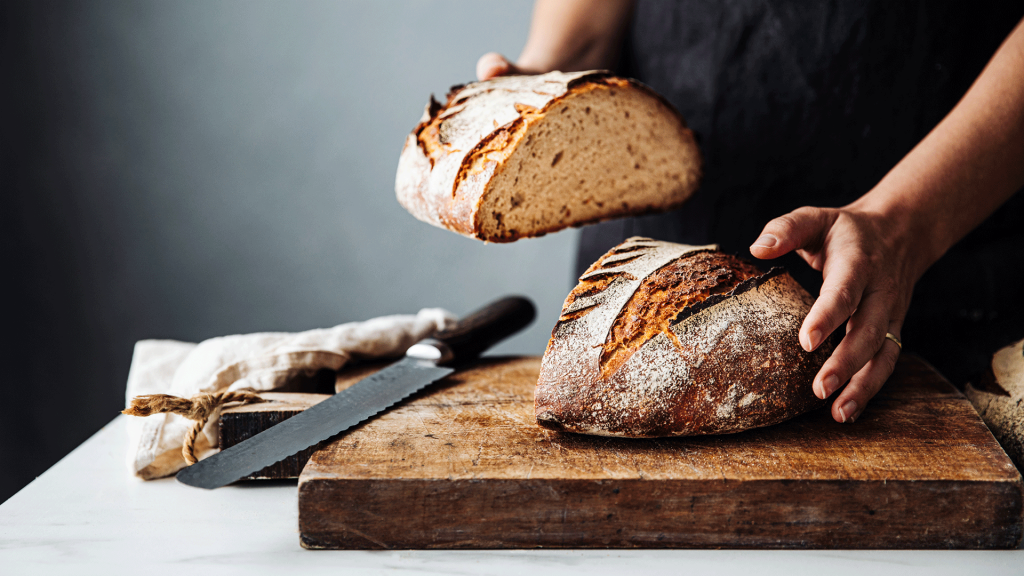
[86, 515]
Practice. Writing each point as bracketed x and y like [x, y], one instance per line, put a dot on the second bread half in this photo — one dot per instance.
[521, 156]
[663, 339]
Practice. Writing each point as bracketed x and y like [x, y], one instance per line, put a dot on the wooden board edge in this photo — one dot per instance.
[493, 514]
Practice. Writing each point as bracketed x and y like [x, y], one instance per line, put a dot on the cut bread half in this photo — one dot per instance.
[521, 156]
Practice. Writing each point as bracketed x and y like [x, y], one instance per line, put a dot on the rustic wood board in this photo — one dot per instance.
[463, 465]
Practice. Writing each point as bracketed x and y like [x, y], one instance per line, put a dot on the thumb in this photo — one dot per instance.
[492, 65]
[803, 228]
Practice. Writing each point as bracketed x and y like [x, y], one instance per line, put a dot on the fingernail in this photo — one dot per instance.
[848, 410]
[766, 241]
[829, 385]
[813, 339]
[816, 388]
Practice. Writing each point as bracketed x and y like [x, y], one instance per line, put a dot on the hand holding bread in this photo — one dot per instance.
[872, 251]
[869, 268]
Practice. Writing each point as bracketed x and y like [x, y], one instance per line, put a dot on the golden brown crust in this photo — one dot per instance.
[498, 145]
[672, 342]
[479, 165]
[664, 295]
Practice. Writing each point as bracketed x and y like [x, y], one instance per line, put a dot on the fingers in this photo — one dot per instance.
[865, 285]
[492, 65]
[865, 335]
[802, 228]
[849, 405]
[844, 284]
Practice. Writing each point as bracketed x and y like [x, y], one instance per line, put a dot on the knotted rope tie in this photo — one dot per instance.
[198, 408]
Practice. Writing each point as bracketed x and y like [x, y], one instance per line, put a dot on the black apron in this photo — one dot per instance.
[811, 104]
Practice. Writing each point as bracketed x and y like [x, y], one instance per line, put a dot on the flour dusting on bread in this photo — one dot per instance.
[717, 354]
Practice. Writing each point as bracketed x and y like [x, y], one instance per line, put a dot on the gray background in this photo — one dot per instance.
[190, 169]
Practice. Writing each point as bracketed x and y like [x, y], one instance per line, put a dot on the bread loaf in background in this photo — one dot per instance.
[662, 339]
[521, 156]
[998, 396]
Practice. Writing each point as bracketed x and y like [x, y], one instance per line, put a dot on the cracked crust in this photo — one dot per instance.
[514, 157]
[663, 339]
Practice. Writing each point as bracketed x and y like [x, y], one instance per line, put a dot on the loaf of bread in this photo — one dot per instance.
[521, 156]
[998, 396]
[662, 339]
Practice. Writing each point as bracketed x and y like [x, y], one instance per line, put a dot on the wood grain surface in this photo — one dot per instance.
[464, 465]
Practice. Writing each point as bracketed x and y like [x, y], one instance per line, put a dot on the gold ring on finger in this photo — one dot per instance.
[891, 336]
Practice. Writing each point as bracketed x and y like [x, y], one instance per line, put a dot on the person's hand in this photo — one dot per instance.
[869, 272]
[873, 251]
[492, 65]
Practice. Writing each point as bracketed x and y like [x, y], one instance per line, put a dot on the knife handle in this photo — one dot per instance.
[473, 334]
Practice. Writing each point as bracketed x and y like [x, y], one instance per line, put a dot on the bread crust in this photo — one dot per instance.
[728, 363]
[459, 147]
[998, 396]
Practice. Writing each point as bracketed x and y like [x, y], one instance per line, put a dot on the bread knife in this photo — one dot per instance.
[424, 363]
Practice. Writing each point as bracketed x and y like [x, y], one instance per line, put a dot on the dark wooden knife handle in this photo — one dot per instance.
[473, 334]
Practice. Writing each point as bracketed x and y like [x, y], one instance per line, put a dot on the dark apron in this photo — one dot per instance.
[810, 104]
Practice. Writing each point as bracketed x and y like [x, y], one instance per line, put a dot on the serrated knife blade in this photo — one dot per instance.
[357, 403]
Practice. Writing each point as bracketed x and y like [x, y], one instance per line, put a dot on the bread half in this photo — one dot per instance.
[662, 339]
[521, 156]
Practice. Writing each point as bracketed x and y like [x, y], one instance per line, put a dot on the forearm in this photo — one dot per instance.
[570, 35]
[969, 165]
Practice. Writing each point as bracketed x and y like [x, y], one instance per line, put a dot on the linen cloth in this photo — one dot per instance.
[261, 361]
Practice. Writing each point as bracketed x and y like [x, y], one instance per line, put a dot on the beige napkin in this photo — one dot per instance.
[261, 361]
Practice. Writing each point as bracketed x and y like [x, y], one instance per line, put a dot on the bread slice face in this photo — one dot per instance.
[521, 156]
[663, 339]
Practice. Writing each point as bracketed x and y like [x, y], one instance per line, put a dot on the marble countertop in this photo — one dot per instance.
[87, 515]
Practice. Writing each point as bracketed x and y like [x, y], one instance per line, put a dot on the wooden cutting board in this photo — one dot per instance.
[463, 465]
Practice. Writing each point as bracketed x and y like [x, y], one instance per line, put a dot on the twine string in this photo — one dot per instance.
[198, 408]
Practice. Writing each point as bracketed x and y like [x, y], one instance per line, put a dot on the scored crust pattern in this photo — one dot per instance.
[723, 363]
[656, 302]
[435, 152]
